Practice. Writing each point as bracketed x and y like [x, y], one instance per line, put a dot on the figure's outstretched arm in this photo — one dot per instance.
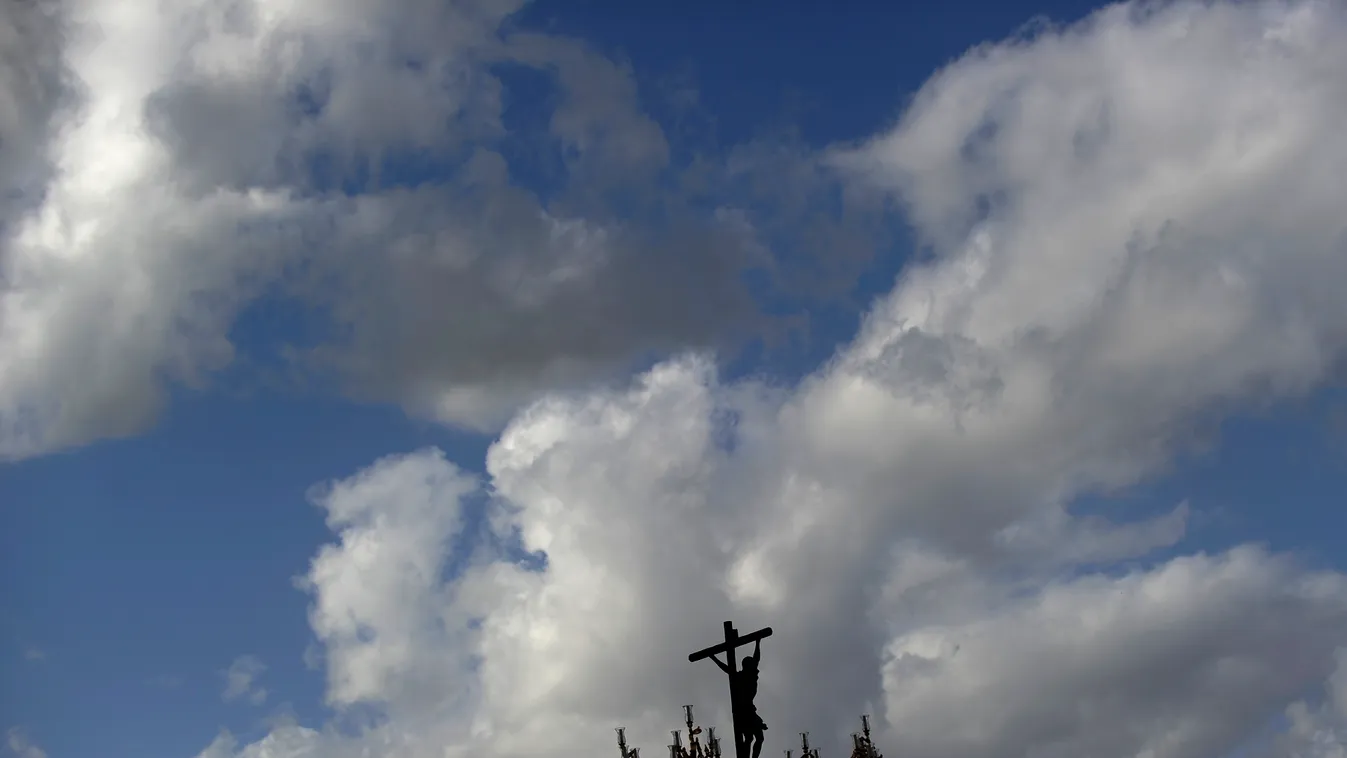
[757, 651]
[722, 666]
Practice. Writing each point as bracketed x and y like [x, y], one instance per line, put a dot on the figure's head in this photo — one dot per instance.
[750, 663]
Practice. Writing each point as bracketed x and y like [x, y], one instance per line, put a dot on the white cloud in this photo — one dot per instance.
[173, 164]
[378, 593]
[21, 747]
[241, 680]
[1154, 189]
[286, 742]
[1319, 731]
[1179, 660]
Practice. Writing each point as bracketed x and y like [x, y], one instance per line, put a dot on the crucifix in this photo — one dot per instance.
[748, 725]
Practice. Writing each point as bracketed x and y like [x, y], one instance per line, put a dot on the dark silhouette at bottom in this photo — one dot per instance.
[862, 744]
[622, 745]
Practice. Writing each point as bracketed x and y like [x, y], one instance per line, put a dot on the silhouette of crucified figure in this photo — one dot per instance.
[743, 688]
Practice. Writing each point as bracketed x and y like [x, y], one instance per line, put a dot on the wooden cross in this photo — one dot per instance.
[732, 641]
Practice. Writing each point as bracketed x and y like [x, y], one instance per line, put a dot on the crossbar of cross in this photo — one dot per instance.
[732, 641]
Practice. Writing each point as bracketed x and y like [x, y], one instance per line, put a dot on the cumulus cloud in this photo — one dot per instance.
[20, 746]
[652, 527]
[241, 680]
[1134, 228]
[31, 95]
[1320, 731]
[164, 168]
[379, 592]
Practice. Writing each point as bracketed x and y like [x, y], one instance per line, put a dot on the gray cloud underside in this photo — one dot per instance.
[172, 168]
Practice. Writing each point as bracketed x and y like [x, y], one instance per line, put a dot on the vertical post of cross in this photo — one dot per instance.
[731, 638]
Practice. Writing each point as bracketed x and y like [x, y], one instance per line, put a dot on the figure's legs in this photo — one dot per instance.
[758, 739]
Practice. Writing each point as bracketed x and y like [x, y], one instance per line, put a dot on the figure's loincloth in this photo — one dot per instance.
[749, 721]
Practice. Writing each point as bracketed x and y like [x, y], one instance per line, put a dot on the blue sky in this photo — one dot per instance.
[137, 568]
